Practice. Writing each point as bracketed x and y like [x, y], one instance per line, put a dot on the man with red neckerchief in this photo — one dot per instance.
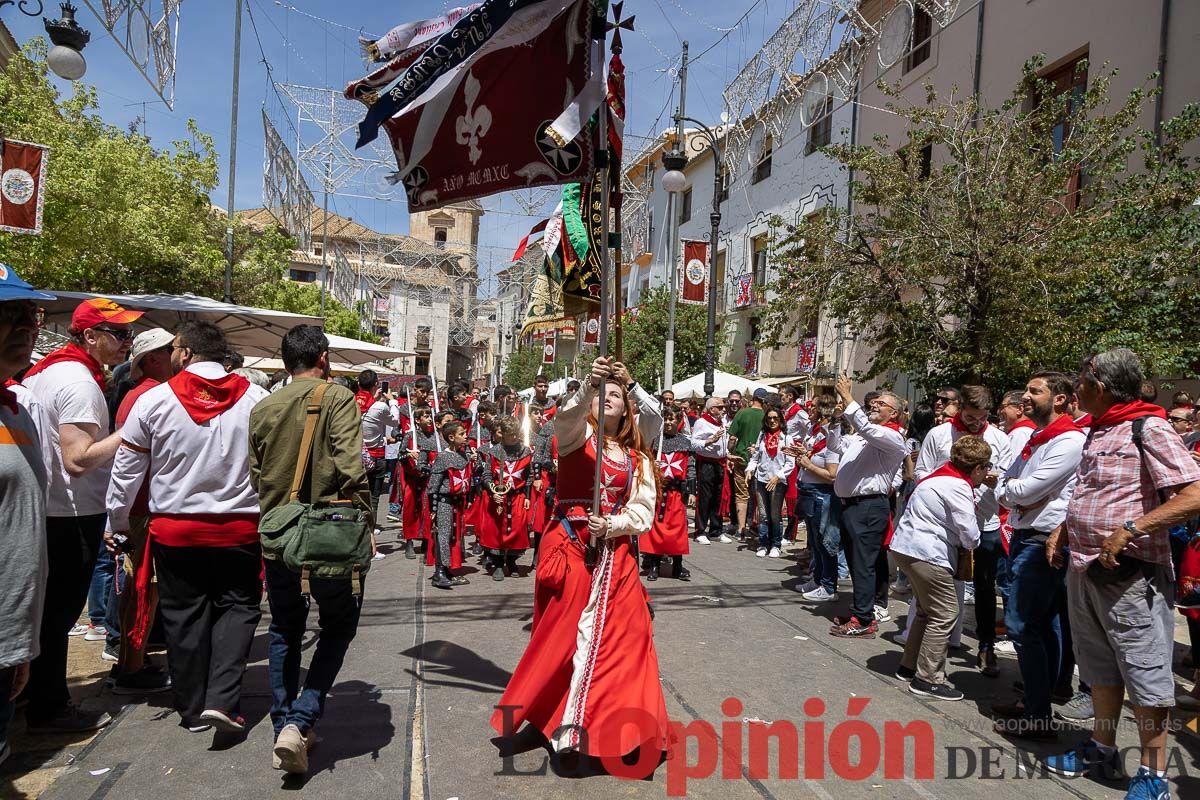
[190, 439]
[70, 384]
[1135, 480]
[1036, 490]
[870, 460]
[972, 420]
[1014, 421]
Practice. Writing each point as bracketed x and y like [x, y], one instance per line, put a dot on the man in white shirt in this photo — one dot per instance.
[383, 413]
[710, 440]
[870, 460]
[70, 383]
[1037, 489]
[190, 438]
[972, 420]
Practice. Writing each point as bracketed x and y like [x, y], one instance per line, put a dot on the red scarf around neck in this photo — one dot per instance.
[956, 423]
[72, 352]
[771, 443]
[710, 419]
[792, 411]
[1063, 424]
[893, 425]
[204, 398]
[1084, 422]
[1023, 422]
[1124, 412]
[819, 444]
[948, 470]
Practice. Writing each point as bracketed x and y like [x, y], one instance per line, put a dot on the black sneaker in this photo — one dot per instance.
[1040, 730]
[112, 652]
[652, 575]
[903, 673]
[147, 680]
[681, 574]
[476, 549]
[72, 720]
[938, 691]
[498, 574]
[410, 549]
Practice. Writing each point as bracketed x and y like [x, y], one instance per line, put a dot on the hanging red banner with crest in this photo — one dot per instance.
[806, 355]
[693, 272]
[22, 185]
[548, 348]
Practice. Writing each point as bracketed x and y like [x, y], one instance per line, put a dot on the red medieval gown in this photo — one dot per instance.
[590, 664]
[416, 518]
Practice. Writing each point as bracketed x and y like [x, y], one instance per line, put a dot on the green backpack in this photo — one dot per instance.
[323, 539]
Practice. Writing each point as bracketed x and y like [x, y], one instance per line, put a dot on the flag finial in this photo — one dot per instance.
[618, 24]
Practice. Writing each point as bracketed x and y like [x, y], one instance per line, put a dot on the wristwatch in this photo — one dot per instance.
[1132, 527]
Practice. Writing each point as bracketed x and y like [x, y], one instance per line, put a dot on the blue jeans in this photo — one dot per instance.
[988, 558]
[1032, 619]
[770, 513]
[102, 581]
[820, 509]
[338, 611]
[112, 607]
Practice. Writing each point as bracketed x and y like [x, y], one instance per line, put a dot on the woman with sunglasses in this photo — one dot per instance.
[769, 468]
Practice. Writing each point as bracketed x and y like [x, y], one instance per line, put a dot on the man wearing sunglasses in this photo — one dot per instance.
[70, 383]
[870, 461]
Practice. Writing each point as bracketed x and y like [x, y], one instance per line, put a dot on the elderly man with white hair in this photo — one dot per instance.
[711, 440]
[870, 460]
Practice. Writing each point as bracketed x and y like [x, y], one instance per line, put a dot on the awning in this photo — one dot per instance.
[724, 382]
[250, 331]
[273, 365]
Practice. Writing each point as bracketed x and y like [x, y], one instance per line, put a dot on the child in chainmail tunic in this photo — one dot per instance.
[545, 469]
[449, 482]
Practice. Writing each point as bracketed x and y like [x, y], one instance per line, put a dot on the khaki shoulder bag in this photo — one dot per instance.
[320, 539]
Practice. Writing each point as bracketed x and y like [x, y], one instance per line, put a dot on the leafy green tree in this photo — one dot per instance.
[305, 298]
[522, 366]
[645, 338]
[122, 216]
[1047, 228]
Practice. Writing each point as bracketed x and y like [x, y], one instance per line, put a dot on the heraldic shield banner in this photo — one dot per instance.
[472, 121]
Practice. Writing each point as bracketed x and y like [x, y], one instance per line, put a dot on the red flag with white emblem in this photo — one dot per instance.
[22, 185]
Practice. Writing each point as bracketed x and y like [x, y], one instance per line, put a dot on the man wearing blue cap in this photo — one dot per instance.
[23, 501]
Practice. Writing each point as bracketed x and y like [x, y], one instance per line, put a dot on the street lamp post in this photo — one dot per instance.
[676, 178]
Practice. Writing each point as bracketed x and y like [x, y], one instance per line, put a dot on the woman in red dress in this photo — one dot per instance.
[589, 677]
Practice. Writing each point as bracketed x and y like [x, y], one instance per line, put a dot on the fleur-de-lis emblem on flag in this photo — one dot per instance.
[474, 124]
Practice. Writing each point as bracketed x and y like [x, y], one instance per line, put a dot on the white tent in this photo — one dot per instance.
[725, 383]
[272, 365]
[250, 331]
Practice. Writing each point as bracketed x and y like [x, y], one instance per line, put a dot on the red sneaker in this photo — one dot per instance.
[853, 629]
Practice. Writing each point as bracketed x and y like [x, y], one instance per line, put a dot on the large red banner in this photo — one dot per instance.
[693, 272]
[487, 130]
[22, 186]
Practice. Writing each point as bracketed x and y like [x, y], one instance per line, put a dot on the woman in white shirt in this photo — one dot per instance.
[769, 468]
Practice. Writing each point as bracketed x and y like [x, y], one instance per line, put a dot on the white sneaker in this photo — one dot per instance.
[725, 539]
[1005, 647]
[820, 595]
[808, 587]
[78, 630]
[702, 539]
[95, 633]
[882, 614]
[774, 553]
[761, 552]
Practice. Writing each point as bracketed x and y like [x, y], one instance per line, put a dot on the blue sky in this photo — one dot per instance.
[313, 42]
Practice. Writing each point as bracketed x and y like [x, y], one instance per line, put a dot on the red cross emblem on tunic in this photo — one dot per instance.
[673, 465]
[511, 473]
[460, 481]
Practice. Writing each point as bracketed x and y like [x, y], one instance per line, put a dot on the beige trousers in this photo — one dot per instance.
[937, 613]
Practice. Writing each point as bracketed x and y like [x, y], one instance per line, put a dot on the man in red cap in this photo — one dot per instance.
[70, 384]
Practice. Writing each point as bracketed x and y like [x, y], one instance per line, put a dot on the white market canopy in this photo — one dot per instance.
[250, 331]
[273, 365]
[724, 382]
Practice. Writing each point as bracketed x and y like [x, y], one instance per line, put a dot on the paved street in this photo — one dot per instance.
[409, 715]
